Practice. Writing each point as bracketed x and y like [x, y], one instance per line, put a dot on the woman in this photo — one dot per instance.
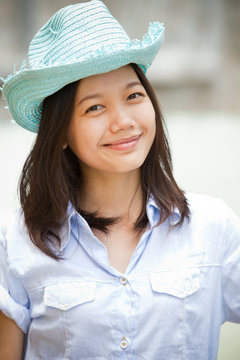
[108, 258]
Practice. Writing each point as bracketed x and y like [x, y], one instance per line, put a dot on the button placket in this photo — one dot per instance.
[124, 344]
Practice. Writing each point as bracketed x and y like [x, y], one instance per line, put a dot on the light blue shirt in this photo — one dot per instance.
[178, 289]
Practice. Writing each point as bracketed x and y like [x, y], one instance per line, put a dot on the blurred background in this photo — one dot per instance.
[197, 79]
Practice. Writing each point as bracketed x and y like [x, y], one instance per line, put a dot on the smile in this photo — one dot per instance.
[124, 144]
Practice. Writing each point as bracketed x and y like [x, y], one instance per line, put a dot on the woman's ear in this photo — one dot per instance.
[64, 146]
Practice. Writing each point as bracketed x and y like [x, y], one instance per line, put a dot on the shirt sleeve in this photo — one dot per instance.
[14, 302]
[231, 268]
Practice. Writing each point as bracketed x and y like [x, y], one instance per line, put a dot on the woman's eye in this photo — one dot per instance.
[134, 96]
[94, 108]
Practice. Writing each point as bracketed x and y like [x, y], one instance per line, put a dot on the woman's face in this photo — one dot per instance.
[113, 123]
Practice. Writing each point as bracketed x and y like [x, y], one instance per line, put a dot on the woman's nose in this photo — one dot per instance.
[121, 120]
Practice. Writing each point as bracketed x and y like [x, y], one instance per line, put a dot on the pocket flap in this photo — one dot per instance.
[65, 295]
[179, 283]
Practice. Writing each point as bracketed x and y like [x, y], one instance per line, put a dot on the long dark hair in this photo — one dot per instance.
[51, 176]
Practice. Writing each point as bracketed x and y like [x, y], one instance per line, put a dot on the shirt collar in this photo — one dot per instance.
[153, 213]
[65, 231]
[73, 216]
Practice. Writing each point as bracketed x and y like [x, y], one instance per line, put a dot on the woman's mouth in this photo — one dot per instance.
[124, 144]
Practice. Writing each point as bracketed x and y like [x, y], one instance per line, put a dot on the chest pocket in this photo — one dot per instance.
[65, 295]
[180, 283]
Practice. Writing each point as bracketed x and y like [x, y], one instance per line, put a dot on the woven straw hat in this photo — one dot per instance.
[78, 41]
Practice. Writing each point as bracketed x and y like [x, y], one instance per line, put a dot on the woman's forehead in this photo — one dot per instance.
[118, 77]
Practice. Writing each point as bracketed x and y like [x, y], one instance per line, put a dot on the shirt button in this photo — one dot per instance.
[123, 281]
[123, 343]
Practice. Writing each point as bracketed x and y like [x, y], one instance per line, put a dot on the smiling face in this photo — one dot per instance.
[113, 123]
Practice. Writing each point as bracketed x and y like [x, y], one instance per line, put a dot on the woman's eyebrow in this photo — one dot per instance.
[132, 83]
[92, 96]
[97, 95]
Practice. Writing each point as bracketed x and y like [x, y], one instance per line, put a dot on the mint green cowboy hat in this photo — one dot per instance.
[78, 41]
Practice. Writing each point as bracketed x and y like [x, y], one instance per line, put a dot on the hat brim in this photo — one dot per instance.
[26, 90]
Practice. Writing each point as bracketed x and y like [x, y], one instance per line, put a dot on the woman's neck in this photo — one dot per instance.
[113, 195]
